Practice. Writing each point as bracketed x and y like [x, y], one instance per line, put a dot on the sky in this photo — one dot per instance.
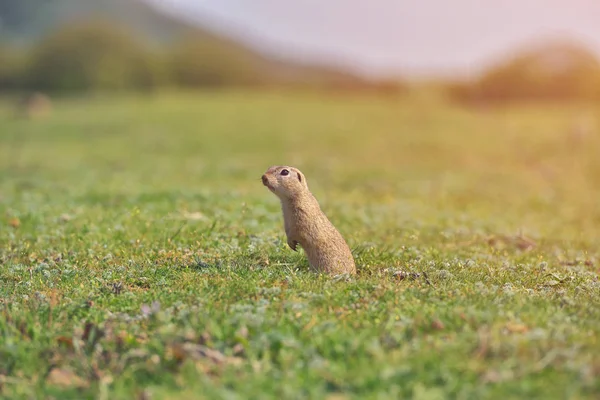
[398, 37]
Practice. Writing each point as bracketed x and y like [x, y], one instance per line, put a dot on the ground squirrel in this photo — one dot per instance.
[306, 224]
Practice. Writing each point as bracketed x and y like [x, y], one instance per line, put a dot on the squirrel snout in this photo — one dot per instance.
[265, 180]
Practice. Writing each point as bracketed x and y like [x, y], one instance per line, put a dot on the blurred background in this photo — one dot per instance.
[491, 102]
[471, 51]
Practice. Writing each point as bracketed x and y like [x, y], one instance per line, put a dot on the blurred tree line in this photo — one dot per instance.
[550, 72]
[99, 56]
[95, 55]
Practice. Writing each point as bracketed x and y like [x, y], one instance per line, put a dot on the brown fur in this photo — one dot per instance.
[307, 225]
[36, 105]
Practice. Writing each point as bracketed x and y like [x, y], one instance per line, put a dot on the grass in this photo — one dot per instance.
[141, 256]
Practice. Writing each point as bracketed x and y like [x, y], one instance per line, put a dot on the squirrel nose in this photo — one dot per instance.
[264, 179]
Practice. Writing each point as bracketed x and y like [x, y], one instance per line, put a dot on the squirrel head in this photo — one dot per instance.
[286, 182]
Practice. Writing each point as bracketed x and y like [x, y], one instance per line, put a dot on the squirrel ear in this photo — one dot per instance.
[299, 176]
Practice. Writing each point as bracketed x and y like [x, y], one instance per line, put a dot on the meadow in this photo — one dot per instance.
[141, 257]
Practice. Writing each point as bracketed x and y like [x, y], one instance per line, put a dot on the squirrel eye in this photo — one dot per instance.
[284, 172]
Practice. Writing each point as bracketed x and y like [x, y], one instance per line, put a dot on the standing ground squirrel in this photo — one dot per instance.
[306, 224]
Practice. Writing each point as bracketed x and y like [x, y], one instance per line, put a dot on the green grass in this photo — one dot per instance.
[141, 255]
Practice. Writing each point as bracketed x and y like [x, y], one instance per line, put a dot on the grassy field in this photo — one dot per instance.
[141, 257]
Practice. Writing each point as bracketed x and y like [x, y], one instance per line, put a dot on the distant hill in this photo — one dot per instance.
[552, 70]
[25, 22]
